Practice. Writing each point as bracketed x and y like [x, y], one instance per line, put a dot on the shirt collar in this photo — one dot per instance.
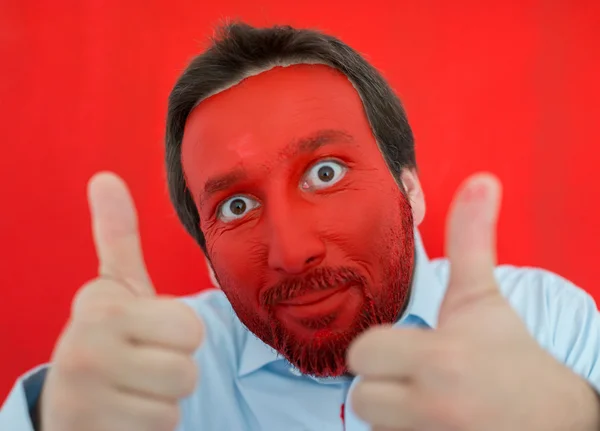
[427, 291]
[255, 354]
[426, 297]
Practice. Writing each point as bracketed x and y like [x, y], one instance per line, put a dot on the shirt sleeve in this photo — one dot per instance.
[576, 334]
[15, 413]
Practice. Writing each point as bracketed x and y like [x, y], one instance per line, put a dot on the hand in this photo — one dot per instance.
[480, 370]
[124, 359]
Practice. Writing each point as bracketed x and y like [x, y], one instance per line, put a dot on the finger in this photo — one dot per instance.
[153, 372]
[100, 294]
[383, 403]
[115, 228]
[166, 323]
[385, 352]
[123, 411]
[471, 238]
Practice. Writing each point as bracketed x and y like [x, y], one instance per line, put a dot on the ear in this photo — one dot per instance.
[412, 187]
[211, 274]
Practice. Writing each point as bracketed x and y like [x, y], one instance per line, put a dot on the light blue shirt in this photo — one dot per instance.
[245, 385]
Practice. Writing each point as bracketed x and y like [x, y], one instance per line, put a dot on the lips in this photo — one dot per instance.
[342, 302]
[312, 297]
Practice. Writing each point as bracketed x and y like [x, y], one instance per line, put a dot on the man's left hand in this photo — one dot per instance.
[481, 369]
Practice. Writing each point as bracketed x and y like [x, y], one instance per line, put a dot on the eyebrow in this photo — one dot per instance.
[222, 182]
[315, 141]
[306, 144]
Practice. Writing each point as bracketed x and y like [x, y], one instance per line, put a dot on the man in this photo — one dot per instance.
[291, 163]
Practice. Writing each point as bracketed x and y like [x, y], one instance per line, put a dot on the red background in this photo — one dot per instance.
[511, 87]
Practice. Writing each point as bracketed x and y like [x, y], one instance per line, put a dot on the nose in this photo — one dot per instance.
[294, 246]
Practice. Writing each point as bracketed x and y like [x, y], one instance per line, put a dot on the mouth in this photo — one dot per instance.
[313, 298]
[340, 302]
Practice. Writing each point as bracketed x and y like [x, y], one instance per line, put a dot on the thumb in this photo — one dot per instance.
[471, 240]
[115, 229]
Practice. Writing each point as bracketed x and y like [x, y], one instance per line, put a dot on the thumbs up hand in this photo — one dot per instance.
[125, 357]
[480, 370]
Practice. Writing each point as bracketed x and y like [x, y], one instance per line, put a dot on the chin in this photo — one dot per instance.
[319, 352]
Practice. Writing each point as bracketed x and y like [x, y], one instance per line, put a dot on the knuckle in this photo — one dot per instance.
[186, 375]
[455, 365]
[100, 313]
[165, 419]
[98, 292]
[77, 360]
[369, 348]
[361, 399]
[192, 326]
[453, 415]
[196, 332]
[85, 294]
[104, 312]
[449, 359]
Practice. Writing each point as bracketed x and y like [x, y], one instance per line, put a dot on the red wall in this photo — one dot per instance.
[511, 87]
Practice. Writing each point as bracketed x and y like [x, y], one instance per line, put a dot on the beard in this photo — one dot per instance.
[323, 352]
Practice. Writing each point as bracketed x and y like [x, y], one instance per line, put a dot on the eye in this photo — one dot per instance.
[323, 174]
[235, 208]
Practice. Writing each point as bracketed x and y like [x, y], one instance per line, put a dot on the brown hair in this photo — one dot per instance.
[236, 51]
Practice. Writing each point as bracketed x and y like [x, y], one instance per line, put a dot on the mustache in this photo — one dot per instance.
[318, 279]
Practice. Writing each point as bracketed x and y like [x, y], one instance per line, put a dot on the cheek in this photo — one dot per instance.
[367, 225]
[367, 213]
[239, 260]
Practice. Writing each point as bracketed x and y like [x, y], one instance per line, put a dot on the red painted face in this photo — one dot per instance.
[309, 235]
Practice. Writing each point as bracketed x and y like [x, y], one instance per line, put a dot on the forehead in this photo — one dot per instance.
[259, 117]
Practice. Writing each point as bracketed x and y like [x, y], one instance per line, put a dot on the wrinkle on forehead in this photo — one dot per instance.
[286, 63]
[245, 148]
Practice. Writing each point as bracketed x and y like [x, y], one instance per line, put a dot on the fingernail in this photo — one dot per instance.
[477, 191]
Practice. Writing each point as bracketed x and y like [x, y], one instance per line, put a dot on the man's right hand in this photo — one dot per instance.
[125, 357]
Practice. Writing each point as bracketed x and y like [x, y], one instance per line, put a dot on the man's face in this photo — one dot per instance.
[309, 235]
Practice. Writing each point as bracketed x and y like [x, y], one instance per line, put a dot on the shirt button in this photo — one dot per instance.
[295, 371]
